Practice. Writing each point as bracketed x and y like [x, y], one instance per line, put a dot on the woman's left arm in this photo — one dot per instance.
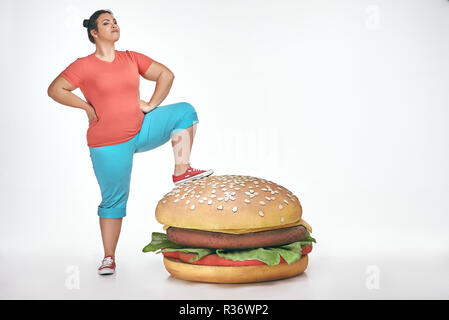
[164, 80]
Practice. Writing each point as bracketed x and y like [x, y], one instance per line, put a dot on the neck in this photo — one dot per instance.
[106, 51]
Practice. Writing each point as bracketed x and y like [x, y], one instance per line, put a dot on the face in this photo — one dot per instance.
[108, 30]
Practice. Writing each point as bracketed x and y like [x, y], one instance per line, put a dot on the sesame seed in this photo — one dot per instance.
[261, 213]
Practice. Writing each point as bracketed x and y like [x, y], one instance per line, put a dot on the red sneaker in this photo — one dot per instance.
[191, 174]
[107, 266]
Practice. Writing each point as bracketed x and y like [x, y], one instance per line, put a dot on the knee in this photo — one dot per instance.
[113, 204]
[187, 107]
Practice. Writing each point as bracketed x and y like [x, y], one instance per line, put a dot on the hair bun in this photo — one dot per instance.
[86, 23]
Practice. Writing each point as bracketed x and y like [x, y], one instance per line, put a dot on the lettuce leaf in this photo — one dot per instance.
[266, 255]
[158, 241]
[270, 255]
[200, 252]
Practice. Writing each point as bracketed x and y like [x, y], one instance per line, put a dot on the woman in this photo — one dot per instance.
[120, 124]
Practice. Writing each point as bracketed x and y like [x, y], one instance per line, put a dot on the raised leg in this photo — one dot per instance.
[182, 142]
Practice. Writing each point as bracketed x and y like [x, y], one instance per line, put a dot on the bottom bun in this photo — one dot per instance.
[225, 274]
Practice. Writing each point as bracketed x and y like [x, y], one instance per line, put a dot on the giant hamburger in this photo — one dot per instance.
[231, 229]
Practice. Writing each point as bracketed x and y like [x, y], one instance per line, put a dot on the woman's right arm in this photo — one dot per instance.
[60, 90]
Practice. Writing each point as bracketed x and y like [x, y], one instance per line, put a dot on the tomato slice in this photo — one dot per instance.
[215, 260]
[306, 249]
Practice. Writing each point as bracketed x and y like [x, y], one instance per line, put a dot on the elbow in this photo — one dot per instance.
[50, 91]
[168, 75]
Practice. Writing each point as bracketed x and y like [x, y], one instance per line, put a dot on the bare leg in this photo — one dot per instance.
[182, 142]
[110, 232]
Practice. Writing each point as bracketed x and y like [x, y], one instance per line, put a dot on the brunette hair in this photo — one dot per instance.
[91, 23]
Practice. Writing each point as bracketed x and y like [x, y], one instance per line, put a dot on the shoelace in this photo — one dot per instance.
[107, 262]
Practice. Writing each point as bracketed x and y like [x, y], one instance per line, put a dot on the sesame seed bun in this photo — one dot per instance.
[228, 202]
[218, 274]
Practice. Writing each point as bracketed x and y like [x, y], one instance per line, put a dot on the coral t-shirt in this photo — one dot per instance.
[112, 88]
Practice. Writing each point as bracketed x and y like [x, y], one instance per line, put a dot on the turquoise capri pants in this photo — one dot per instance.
[113, 164]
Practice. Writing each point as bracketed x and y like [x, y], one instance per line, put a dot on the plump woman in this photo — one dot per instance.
[120, 123]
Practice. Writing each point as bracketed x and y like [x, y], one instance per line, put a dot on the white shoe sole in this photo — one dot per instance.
[106, 271]
[198, 176]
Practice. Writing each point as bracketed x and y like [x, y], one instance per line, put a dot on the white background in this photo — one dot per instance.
[345, 103]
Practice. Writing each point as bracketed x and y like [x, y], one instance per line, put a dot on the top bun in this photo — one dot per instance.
[228, 202]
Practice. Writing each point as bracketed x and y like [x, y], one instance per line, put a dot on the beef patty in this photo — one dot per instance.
[218, 240]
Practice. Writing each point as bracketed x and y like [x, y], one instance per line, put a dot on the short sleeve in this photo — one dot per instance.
[143, 61]
[73, 73]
